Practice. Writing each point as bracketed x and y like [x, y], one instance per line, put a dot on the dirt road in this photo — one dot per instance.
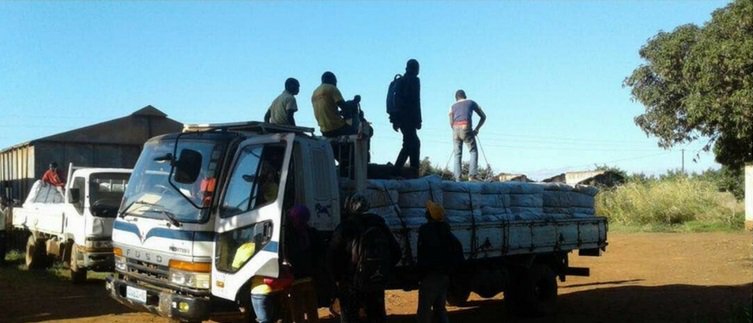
[643, 277]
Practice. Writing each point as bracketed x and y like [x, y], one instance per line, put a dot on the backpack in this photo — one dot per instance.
[371, 258]
[392, 94]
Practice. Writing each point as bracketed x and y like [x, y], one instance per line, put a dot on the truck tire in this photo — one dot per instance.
[36, 256]
[78, 274]
[533, 292]
[458, 291]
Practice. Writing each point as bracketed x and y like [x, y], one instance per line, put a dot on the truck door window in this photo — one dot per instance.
[106, 192]
[80, 184]
[255, 179]
[235, 248]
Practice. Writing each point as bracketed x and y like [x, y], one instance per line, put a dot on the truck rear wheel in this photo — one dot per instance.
[533, 292]
[36, 256]
[78, 274]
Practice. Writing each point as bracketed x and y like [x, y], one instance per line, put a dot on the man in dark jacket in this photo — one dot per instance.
[407, 117]
[342, 258]
[439, 252]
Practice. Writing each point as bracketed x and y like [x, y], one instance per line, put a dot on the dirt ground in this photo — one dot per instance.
[643, 277]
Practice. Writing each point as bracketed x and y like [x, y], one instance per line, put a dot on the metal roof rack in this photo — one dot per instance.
[253, 126]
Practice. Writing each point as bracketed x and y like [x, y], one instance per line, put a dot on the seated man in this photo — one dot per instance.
[52, 177]
[326, 100]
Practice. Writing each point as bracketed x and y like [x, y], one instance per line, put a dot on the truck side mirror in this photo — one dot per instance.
[74, 195]
[187, 167]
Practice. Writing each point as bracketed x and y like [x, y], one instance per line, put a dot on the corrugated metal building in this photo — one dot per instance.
[114, 143]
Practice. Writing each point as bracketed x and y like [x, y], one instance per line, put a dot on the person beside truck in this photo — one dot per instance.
[360, 257]
[439, 253]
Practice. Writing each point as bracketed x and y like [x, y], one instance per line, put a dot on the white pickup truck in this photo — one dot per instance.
[77, 227]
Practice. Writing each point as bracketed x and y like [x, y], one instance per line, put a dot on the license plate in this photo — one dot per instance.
[136, 294]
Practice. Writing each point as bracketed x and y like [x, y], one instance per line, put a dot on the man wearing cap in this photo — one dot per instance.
[463, 132]
[439, 253]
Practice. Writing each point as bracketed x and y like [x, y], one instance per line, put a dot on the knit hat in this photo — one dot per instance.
[435, 210]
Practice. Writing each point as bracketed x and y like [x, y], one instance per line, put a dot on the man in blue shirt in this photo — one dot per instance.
[463, 132]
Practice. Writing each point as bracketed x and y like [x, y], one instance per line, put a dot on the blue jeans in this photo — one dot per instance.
[432, 295]
[465, 135]
[265, 307]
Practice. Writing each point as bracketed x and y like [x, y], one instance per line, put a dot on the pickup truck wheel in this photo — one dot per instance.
[458, 292]
[534, 292]
[36, 256]
[78, 274]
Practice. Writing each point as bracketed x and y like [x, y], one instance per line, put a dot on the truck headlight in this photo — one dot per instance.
[190, 279]
[190, 274]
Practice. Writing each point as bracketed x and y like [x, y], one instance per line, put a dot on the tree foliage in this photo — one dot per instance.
[698, 82]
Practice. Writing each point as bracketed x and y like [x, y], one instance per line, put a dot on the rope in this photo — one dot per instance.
[489, 167]
[405, 231]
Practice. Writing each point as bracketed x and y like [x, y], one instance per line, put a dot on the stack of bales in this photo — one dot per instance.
[43, 193]
[565, 201]
[402, 203]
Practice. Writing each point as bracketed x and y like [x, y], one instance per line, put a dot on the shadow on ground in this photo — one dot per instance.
[669, 303]
[40, 295]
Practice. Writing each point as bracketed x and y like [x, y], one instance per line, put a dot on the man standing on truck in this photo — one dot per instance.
[361, 256]
[52, 176]
[439, 253]
[284, 106]
[463, 132]
[407, 116]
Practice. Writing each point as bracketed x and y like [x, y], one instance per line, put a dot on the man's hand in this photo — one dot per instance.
[474, 132]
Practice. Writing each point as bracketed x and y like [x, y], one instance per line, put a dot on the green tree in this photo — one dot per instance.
[697, 82]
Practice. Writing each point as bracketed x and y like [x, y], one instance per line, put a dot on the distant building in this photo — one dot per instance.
[595, 178]
[114, 143]
[506, 177]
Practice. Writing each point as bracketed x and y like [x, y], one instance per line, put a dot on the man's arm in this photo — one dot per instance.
[290, 110]
[267, 116]
[481, 121]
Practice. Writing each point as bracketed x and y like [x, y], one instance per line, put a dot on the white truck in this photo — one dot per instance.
[195, 197]
[75, 227]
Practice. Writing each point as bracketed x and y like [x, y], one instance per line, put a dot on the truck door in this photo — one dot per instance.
[249, 222]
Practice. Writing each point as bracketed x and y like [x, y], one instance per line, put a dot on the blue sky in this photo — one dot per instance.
[547, 73]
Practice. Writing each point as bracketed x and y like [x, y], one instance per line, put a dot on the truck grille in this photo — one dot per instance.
[148, 270]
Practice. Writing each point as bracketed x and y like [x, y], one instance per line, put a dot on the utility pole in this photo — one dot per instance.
[683, 161]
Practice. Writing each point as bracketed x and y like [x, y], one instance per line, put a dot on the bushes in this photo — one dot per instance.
[672, 201]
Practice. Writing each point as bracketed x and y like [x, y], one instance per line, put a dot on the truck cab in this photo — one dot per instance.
[203, 214]
[75, 227]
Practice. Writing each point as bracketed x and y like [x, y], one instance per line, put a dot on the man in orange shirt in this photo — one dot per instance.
[52, 177]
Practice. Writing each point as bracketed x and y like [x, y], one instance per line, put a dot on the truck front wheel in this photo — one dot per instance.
[36, 256]
[78, 274]
[533, 292]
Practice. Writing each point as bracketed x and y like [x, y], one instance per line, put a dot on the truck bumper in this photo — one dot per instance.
[161, 302]
[99, 261]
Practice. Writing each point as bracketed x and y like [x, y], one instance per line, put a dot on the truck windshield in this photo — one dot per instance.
[105, 192]
[150, 193]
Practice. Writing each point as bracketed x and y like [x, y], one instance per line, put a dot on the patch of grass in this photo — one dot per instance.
[679, 204]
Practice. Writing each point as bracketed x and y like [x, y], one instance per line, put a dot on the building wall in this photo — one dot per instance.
[16, 171]
[749, 196]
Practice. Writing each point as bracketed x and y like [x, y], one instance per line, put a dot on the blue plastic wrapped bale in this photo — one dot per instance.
[414, 193]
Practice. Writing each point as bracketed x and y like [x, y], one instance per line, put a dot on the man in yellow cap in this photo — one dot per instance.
[439, 253]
